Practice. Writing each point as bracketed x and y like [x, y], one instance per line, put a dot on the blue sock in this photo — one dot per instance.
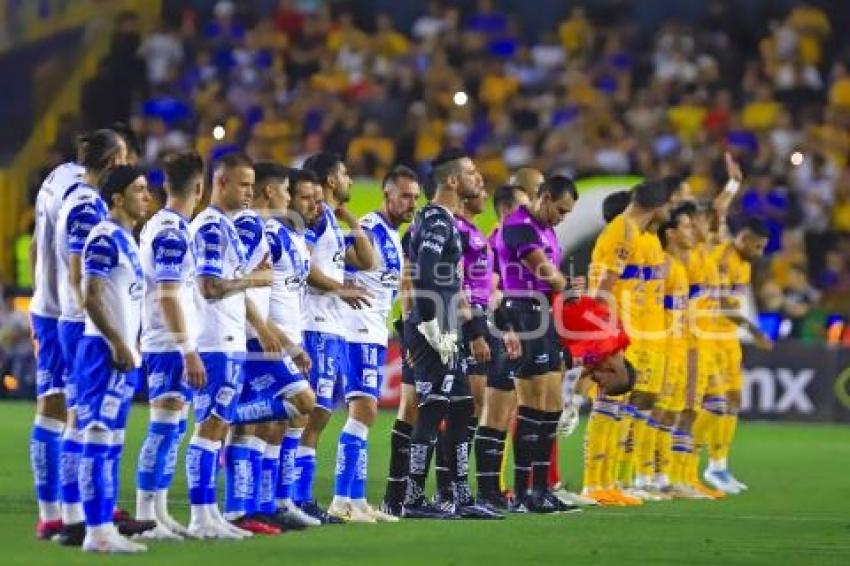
[153, 457]
[201, 464]
[45, 457]
[257, 448]
[347, 453]
[305, 470]
[171, 459]
[358, 484]
[268, 485]
[238, 478]
[115, 452]
[95, 478]
[287, 473]
[72, 449]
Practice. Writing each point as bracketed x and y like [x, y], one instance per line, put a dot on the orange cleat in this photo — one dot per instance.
[625, 499]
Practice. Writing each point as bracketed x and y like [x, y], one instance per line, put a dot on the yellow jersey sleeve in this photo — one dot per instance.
[676, 302]
[613, 251]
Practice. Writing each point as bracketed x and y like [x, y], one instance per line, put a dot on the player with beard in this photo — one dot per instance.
[324, 308]
[431, 336]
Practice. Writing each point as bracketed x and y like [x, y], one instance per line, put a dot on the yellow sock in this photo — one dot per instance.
[664, 451]
[727, 427]
[612, 443]
[594, 450]
[644, 448]
[681, 450]
[703, 426]
[624, 454]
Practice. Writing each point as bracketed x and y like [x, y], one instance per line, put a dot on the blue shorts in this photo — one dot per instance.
[166, 376]
[104, 395]
[330, 356]
[365, 372]
[70, 334]
[50, 364]
[267, 378]
[224, 386]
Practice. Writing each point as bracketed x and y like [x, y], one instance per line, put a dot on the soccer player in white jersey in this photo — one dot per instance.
[171, 362]
[367, 336]
[222, 281]
[107, 358]
[50, 414]
[326, 295]
[290, 258]
[276, 387]
[80, 208]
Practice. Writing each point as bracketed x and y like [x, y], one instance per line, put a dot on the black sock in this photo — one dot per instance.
[526, 441]
[489, 447]
[457, 434]
[473, 427]
[543, 457]
[399, 462]
[422, 441]
[442, 467]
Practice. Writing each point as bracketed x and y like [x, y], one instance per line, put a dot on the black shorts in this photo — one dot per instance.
[499, 374]
[434, 380]
[541, 352]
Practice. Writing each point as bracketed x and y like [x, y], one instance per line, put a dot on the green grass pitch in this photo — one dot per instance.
[796, 512]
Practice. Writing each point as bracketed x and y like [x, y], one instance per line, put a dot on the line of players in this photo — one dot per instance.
[199, 289]
[677, 281]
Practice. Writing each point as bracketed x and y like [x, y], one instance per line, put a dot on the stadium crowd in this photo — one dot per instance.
[590, 95]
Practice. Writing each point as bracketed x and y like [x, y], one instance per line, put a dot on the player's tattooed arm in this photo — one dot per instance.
[537, 262]
[213, 288]
[360, 254]
[95, 307]
[356, 296]
[168, 294]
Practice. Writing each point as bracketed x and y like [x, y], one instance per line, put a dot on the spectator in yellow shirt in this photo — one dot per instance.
[761, 113]
[575, 33]
[371, 152]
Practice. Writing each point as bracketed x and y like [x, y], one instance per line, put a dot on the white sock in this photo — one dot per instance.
[145, 505]
[718, 465]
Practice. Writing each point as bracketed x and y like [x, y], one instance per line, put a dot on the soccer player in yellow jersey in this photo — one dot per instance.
[677, 405]
[733, 259]
[616, 277]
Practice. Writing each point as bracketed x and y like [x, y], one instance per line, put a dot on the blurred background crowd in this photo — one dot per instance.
[592, 93]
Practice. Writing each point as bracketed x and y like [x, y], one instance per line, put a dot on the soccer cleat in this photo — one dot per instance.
[710, 491]
[159, 532]
[720, 480]
[561, 506]
[471, 510]
[72, 535]
[216, 517]
[211, 529]
[292, 513]
[172, 525]
[641, 494]
[537, 502]
[128, 526]
[571, 498]
[495, 501]
[312, 509]
[46, 530]
[423, 509]
[739, 484]
[624, 498]
[111, 543]
[256, 526]
[340, 510]
[281, 521]
[383, 517]
[684, 491]
[393, 508]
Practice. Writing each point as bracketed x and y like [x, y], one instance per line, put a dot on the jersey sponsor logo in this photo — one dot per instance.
[156, 380]
[370, 378]
[262, 382]
[448, 383]
[109, 407]
[325, 388]
[390, 279]
[225, 396]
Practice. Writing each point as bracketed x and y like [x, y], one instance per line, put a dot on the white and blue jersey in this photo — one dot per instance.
[366, 328]
[110, 253]
[45, 298]
[250, 227]
[323, 331]
[265, 377]
[168, 256]
[290, 259]
[53, 356]
[80, 210]
[221, 342]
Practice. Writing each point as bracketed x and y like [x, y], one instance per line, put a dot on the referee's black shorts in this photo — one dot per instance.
[433, 380]
[541, 352]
